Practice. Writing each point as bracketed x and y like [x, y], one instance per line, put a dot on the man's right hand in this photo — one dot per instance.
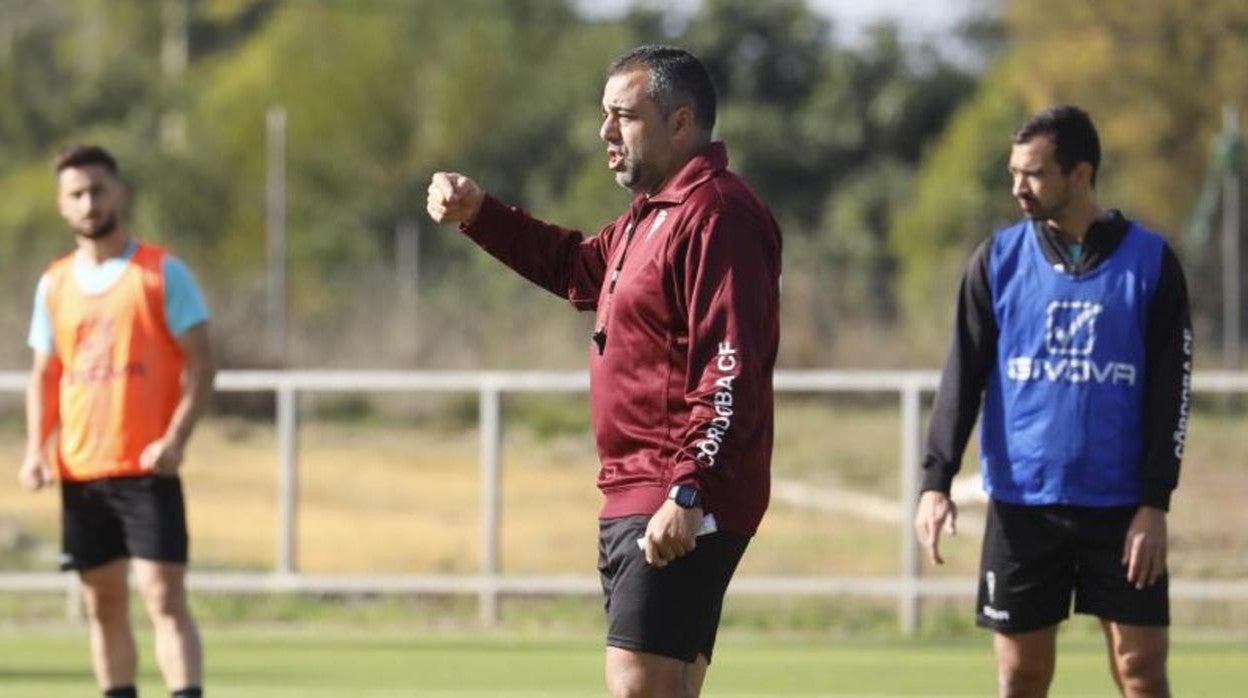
[454, 198]
[936, 512]
[35, 473]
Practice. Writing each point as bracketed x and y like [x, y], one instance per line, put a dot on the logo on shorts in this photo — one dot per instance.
[990, 586]
[995, 614]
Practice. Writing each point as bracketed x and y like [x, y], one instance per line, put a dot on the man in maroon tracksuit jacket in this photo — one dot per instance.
[685, 287]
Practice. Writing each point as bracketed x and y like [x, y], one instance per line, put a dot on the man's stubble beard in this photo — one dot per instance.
[633, 178]
[629, 177]
[100, 230]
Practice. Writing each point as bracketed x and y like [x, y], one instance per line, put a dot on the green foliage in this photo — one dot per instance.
[1154, 76]
[381, 93]
[880, 202]
[961, 196]
[830, 137]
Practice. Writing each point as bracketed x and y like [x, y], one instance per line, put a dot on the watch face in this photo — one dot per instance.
[687, 497]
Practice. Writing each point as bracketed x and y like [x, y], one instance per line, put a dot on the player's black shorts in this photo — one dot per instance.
[673, 611]
[110, 518]
[1036, 557]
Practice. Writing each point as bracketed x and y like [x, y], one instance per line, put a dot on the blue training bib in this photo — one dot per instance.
[1063, 412]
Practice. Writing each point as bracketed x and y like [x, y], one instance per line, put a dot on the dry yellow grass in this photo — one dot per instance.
[406, 500]
[386, 499]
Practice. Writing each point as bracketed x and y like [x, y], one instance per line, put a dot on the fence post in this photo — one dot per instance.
[911, 437]
[287, 479]
[490, 426]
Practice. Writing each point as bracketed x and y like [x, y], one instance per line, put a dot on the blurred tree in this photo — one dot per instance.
[961, 194]
[830, 137]
[380, 93]
[767, 59]
[1154, 77]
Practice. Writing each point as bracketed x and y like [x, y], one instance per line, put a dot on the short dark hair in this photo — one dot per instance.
[1073, 135]
[84, 155]
[677, 78]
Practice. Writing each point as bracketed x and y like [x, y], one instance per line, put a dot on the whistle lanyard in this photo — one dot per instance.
[600, 335]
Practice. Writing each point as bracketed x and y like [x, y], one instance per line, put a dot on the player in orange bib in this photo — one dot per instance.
[122, 370]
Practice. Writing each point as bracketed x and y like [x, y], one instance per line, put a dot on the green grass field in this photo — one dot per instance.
[47, 662]
[408, 505]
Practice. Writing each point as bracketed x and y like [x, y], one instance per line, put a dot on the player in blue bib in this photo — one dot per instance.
[1073, 333]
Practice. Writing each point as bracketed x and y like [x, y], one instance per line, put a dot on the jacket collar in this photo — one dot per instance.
[707, 163]
[1099, 242]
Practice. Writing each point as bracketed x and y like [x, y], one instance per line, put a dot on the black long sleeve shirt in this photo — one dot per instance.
[973, 353]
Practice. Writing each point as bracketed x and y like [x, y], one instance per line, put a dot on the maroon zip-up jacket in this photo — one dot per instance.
[680, 390]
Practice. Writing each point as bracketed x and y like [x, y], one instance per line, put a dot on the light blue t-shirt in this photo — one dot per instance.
[184, 304]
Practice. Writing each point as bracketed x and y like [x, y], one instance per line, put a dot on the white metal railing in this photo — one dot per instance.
[490, 582]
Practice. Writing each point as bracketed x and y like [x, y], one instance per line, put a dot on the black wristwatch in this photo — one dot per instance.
[687, 496]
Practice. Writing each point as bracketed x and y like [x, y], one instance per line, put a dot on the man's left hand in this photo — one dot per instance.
[1144, 551]
[162, 456]
[671, 533]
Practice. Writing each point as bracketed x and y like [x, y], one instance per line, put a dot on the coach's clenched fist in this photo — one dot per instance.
[454, 198]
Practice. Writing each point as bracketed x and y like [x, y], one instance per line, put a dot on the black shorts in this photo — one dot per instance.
[1036, 557]
[673, 611]
[116, 517]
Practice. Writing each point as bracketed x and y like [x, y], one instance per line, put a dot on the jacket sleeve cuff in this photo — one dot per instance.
[489, 219]
[691, 474]
[1156, 496]
[937, 477]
